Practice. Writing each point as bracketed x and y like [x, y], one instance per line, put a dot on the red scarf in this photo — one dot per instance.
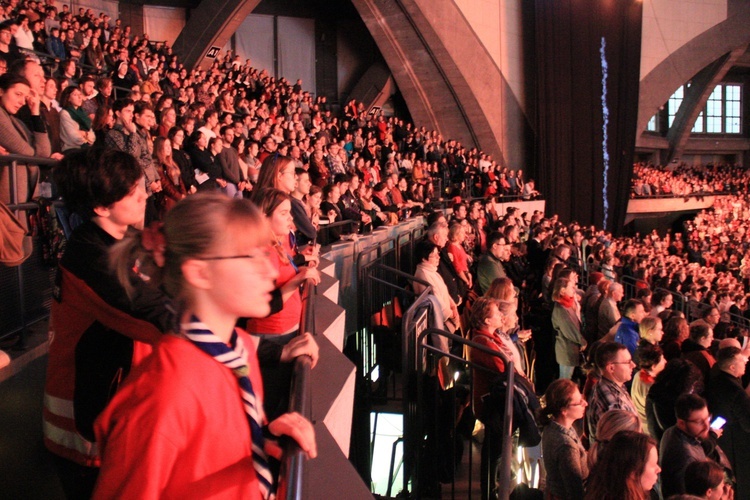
[566, 302]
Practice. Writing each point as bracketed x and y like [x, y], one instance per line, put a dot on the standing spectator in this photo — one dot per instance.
[727, 397]
[627, 331]
[627, 469]
[616, 367]
[566, 319]
[650, 362]
[101, 330]
[609, 315]
[491, 265]
[686, 442]
[564, 455]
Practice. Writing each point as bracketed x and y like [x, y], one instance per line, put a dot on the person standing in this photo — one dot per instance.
[615, 366]
[727, 398]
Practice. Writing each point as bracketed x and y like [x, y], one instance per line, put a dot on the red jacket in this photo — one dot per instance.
[178, 429]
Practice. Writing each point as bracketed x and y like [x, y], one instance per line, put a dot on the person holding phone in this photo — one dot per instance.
[692, 439]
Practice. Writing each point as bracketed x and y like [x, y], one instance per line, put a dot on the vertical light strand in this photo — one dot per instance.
[605, 126]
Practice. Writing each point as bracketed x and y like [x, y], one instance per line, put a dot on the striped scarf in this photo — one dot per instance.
[234, 357]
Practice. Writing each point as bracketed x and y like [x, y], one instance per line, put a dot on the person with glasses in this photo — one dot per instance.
[491, 265]
[690, 440]
[728, 398]
[190, 419]
[615, 365]
[564, 455]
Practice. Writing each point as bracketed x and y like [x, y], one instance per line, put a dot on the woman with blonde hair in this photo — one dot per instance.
[189, 420]
[610, 424]
[651, 330]
[502, 289]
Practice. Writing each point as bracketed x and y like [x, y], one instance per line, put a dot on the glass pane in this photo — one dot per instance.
[651, 127]
[733, 126]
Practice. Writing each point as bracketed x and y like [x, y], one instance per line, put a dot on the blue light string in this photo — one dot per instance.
[605, 126]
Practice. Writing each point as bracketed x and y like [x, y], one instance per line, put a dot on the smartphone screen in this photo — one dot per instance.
[718, 423]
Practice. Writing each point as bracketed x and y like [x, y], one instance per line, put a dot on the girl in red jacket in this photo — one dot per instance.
[189, 421]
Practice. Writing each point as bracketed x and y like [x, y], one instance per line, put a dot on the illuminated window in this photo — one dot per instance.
[651, 126]
[674, 103]
[732, 102]
[722, 113]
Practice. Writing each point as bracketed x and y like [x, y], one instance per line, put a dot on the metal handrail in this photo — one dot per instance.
[506, 455]
[291, 485]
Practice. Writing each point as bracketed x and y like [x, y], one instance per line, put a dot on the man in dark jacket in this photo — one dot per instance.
[728, 399]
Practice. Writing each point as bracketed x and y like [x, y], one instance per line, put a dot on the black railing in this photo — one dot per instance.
[418, 367]
[31, 305]
[291, 485]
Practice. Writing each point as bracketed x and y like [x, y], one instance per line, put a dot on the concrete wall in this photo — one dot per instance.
[670, 24]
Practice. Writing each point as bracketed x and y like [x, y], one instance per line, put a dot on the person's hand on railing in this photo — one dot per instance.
[298, 428]
[54, 156]
[302, 345]
[3, 151]
[309, 273]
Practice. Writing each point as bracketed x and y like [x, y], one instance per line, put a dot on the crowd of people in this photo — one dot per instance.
[237, 172]
[654, 342]
[685, 180]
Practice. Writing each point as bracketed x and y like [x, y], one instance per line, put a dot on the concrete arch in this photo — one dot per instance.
[713, 44]
[212, 23]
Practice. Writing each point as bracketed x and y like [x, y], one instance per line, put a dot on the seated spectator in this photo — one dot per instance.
[206, 170]
[145, 451]
[564, 455]
[75, 125]
[173, 189]
[627, 468]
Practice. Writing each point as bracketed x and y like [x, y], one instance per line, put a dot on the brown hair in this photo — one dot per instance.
[192, 229]
[617, 473]
[269, 174]
[557, 397]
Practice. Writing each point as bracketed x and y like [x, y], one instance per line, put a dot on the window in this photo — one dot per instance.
[651, 126]
[732, 101]
[674, 104]
[722, 113]
[714, 111]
